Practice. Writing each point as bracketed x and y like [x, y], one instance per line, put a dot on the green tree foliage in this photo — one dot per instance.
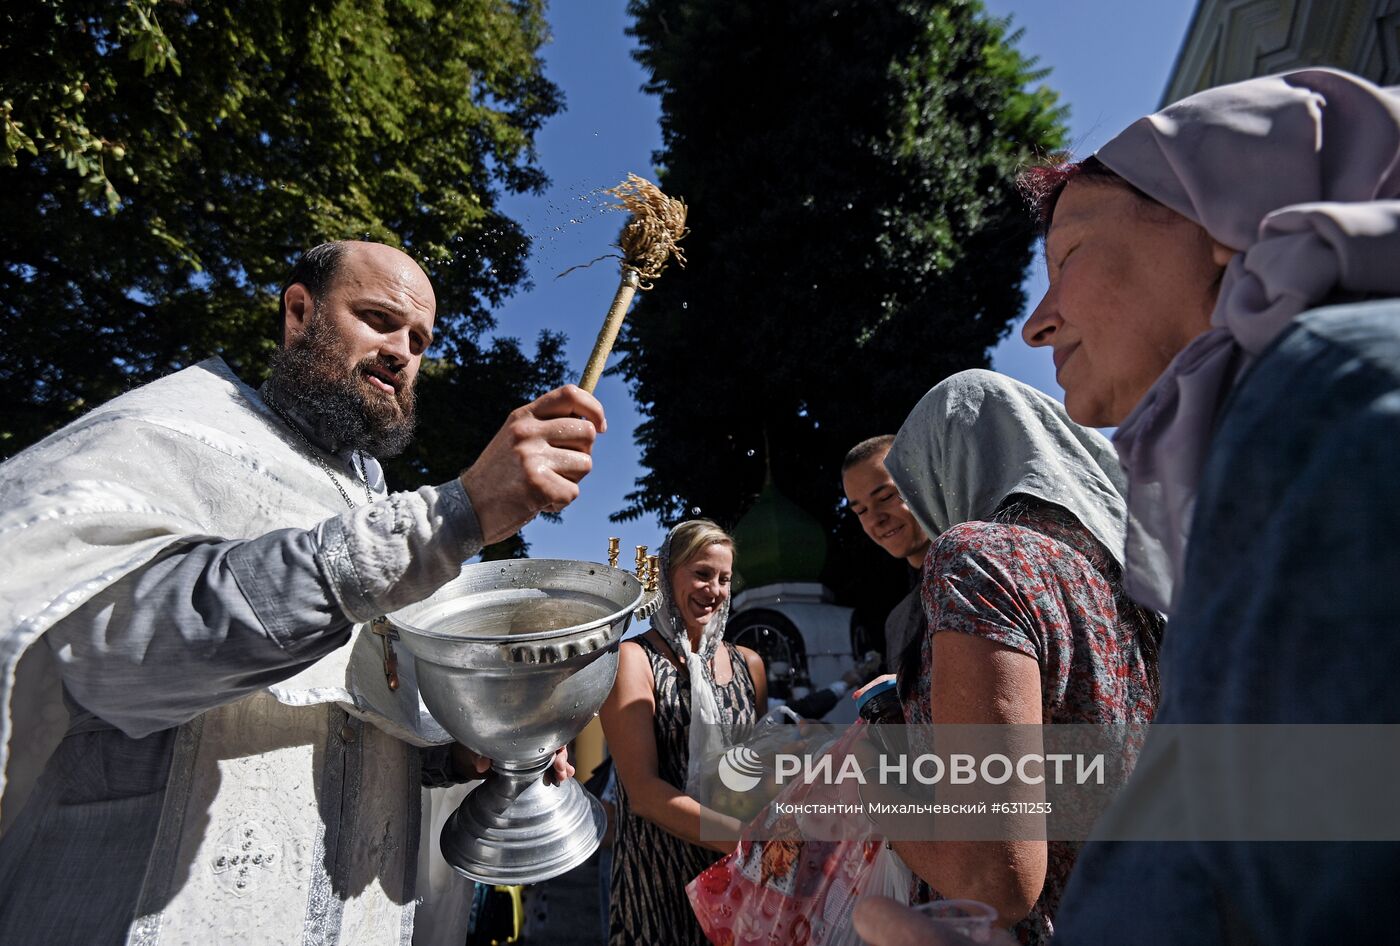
[856, 238]
[164, 162]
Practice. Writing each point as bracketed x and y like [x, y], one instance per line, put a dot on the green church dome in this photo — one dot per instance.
[778, 541]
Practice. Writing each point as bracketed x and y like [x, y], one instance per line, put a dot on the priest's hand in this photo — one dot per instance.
[535, 461]
[470, 766]
[562, 770]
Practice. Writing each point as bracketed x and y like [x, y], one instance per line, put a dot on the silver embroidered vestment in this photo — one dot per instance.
[290, 815]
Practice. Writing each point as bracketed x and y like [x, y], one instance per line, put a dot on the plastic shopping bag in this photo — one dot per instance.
[779, 731]
[789, 883]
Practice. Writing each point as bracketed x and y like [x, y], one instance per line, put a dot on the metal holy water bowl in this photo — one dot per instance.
[513, 658]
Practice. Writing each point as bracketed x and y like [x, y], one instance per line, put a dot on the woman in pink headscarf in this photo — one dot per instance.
[1225, 288]
[1186, 247]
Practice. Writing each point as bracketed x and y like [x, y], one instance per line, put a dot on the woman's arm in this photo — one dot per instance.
[760, 679]
[628, 715]
[975, 681]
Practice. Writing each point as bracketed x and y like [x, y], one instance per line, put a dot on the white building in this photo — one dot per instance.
[1230, 40]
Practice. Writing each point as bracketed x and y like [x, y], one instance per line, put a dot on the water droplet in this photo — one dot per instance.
[685, 305]
[459, 239]
[695, 510]
[750, 453]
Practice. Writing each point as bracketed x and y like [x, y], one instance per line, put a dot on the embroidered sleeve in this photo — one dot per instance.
[210, 621]
[389, 554]
[181, 635]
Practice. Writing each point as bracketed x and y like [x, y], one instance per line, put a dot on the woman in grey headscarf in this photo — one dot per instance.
[682, 696]
[1021, 586]
[1224, 278]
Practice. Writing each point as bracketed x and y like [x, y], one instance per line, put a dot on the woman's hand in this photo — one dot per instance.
[855, 694]
[628, 716]
[881, 921]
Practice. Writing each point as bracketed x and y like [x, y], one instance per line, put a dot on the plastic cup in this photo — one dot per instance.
[971, 918]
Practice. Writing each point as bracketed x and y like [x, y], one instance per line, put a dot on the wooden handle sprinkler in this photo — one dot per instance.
[648, 242]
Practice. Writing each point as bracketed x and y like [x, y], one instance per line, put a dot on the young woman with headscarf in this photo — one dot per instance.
[682, 696]
[1027, 621]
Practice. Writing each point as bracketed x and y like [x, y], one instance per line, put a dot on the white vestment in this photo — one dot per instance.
[292, 815]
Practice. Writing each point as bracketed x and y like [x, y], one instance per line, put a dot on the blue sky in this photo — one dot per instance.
[1109, 61]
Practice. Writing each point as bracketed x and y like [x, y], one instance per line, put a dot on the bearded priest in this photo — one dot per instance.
[201, 736]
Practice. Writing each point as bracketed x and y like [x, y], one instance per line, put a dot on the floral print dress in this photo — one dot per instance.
[1043, 587]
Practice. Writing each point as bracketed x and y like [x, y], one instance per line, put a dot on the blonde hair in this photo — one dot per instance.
[692, 537]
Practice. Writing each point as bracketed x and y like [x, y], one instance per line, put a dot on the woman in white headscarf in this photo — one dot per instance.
[682, 696]
[1026, 620]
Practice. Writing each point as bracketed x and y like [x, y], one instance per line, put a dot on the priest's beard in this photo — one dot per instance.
[345, 411]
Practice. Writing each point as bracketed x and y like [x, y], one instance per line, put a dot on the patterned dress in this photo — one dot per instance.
[651, 866]
[1041, 587]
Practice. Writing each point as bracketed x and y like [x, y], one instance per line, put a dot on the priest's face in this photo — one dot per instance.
[351, 356]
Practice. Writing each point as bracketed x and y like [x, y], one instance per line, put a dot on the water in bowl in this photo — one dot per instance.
[511, 613]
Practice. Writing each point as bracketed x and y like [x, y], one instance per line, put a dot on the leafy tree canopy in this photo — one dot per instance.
[856, 238]
[164, 162]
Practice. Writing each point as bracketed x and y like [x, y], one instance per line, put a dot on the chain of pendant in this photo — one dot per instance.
[316, 456]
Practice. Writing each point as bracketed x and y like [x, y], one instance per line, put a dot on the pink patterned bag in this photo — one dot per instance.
[788, 883]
